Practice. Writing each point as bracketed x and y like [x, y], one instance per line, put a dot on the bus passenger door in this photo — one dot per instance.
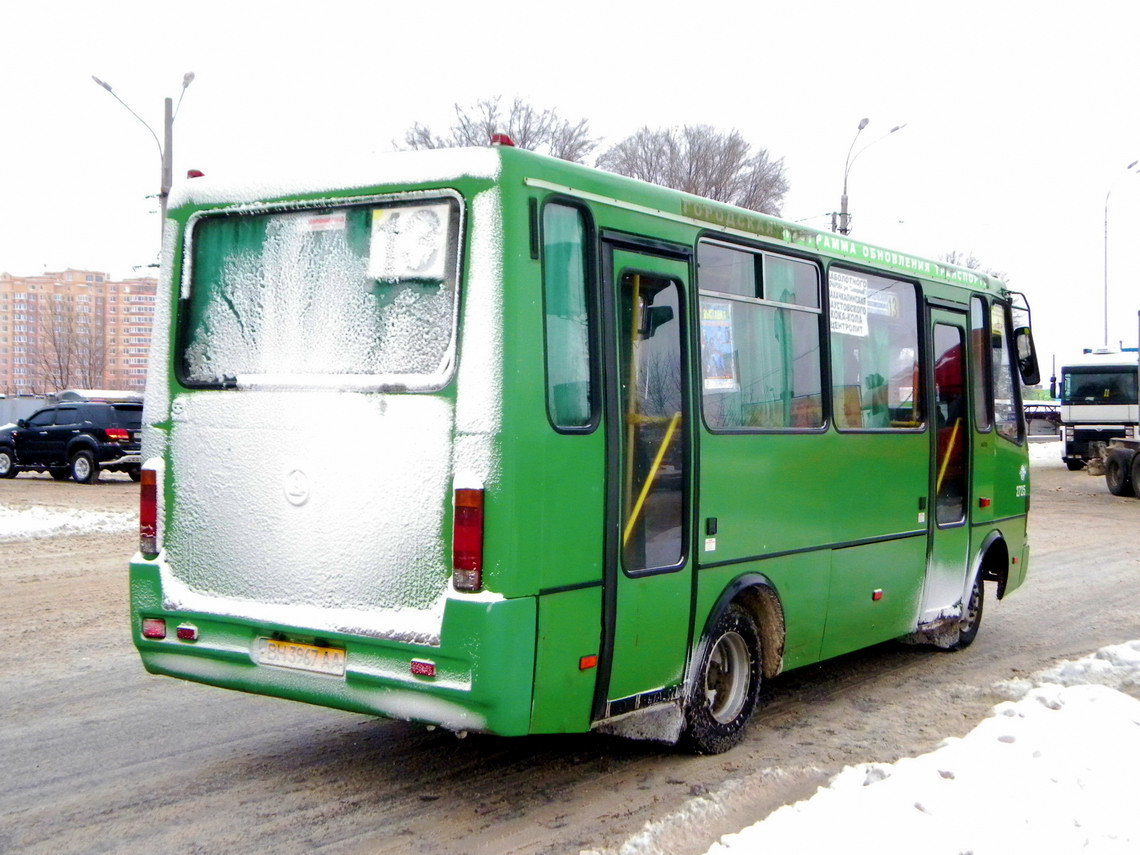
[950, 475]
[648, 578]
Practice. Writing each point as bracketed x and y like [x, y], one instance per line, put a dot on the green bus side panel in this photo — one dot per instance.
[652, 632]
[878, 485]
[569, 628]
[484, 665]
[800, 581]
[767, 493]
[855, 618]
[550, 517]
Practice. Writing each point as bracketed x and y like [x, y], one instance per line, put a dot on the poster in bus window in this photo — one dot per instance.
[848, 295]
[718, 359]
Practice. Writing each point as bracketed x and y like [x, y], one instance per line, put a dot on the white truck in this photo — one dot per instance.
[1098, 403]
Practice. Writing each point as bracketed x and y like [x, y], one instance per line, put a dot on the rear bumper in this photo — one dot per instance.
[115, 457]
[484, 664]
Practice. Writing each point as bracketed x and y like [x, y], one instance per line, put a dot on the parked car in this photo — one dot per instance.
[75, 440]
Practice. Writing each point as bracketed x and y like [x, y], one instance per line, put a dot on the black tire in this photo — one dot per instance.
[135, 473]
[8, 468]
[1074, 464]
[1117, 475]
[725, 684]
[84, 469]
[971, 620]
[1136, 473]
[60, 474]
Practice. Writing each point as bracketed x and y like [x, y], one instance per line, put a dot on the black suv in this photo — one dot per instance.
[75, 440]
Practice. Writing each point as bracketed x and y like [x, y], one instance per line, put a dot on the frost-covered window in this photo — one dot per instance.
[304, 297]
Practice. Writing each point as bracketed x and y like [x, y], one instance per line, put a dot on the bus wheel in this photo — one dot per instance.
[83, 467]
[1116, 475]
[725, 686]
[971, 620]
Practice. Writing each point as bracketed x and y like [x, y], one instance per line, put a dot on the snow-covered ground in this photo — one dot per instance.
[26, 523]
[1050, 772]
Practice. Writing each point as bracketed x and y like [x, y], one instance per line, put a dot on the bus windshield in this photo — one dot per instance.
[1102, 385]
[301, 297]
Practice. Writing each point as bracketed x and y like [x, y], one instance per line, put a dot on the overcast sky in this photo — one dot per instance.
[1020, 117]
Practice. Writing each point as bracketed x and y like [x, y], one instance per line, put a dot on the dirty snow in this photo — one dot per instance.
[1048, 772]
[29, 523]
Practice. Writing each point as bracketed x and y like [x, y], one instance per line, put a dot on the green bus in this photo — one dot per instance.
[487, 440]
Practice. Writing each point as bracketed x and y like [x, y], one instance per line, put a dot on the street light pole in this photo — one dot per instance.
[166, 146]
[845, 217]
[1126, 169]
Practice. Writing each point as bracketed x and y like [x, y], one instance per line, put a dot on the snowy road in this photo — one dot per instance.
[99, 756]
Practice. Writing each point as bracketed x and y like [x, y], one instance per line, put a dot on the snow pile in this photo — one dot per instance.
[1050, 772]
[1048, 451]
[26, 523]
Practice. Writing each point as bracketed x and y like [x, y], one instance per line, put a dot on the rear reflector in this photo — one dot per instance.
[154, 627]
[423, 668]
[588, 662]
[187, 632]
[148, 513]
[467, 540]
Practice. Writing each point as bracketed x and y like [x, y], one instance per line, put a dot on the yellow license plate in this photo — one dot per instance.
[301, 657]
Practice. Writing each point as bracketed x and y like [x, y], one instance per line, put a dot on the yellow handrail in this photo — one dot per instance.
[946, 457]
[649, 478]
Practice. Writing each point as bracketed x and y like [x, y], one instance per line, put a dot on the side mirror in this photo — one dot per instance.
[22, 423]
[1026, 357]
[655, 316]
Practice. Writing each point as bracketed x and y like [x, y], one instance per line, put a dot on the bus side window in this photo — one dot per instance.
[569, 396]
[874, 352]
[979, 366]
[1001, 365]
[760, 340]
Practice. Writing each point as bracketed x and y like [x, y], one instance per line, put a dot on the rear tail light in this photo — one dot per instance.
[148, 513]
[467, 540]
[118, 435]
[154, 627]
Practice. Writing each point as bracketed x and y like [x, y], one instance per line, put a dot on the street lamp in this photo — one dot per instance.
[166, 146]
[1128, 168]
[844, 226]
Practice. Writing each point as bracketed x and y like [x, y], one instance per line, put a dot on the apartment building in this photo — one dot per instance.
[74, 329]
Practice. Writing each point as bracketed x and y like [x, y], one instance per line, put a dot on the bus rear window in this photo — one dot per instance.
[364, 294]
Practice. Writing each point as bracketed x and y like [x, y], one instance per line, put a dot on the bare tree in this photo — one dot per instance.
[699, 159]
[55, 356]
[528, 127]
[970, 262]
[72, 350]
